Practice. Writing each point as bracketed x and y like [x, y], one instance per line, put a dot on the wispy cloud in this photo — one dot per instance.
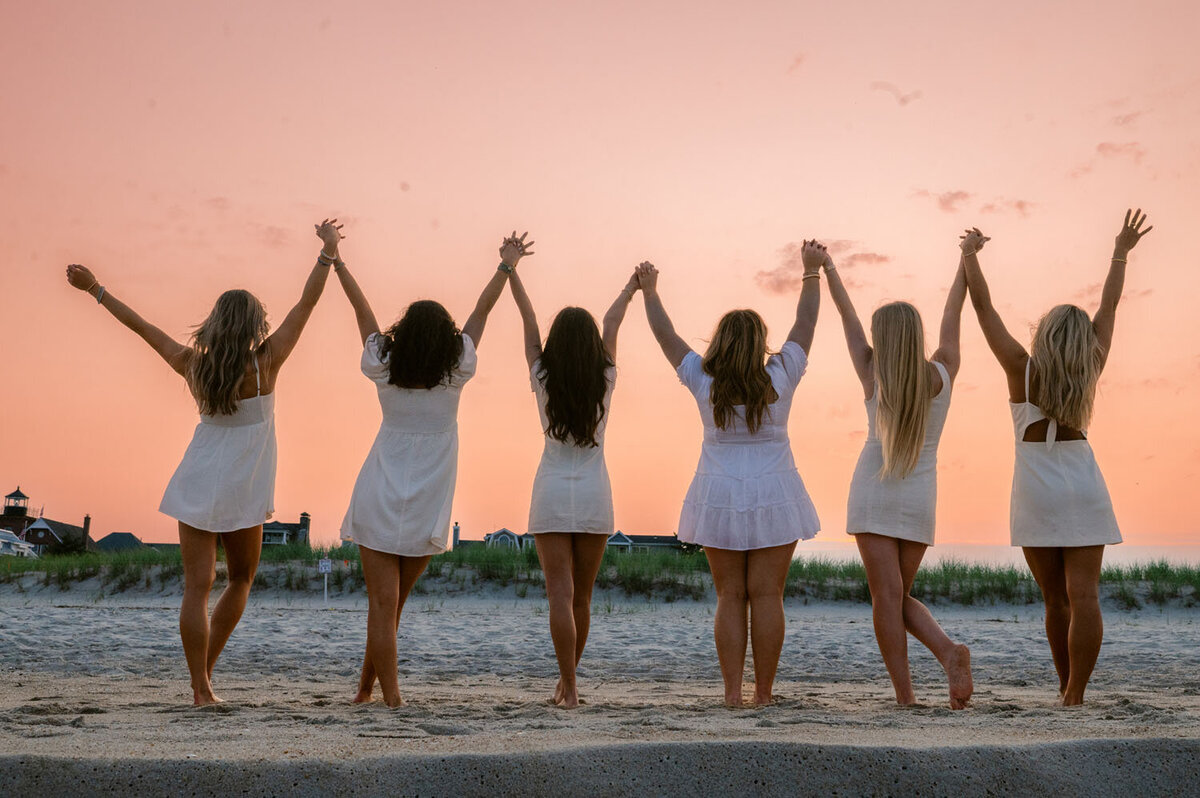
[787, 277]
[1090, 293]
[220, 204]
[1019, 206]
[1128, 149]
[1122, 120]
[894, 90]
[272, 236]
[948, 201]
[797, 62]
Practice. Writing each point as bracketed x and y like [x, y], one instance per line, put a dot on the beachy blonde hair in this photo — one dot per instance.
[902, 412]
[222, 346]
[1066, 357]
[736, 361]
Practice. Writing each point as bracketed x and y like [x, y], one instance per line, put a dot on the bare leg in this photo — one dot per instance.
[729, 623]
[954, 657]
[881, 558]
[199, 552]
[242, 550]
[1046, 563]
[766, 575]
[382, 574]
[556, 553]
[411, 569]
[1082, 567]
[587, 552]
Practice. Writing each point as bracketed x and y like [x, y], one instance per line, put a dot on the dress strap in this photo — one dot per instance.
[257, 384]
[1028, 363]
[1052, 425]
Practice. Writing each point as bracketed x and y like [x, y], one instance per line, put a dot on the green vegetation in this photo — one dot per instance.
[659, 575]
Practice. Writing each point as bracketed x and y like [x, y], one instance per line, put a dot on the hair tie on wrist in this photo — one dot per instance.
[100, 295]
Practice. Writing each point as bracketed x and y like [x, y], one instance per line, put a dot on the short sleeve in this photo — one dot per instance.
[691, 372]
[535, 384]
[793, 362]
[465, 369]
[374, 363]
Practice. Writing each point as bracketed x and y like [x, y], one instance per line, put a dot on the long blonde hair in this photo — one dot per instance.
[902, 411]
[736, 361]
[222, 346]
[1066, 357]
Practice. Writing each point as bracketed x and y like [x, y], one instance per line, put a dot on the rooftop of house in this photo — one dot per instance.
[119, 541]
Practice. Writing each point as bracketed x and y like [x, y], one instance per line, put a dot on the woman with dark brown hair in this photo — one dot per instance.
[225, 485]
[571, 512]
[399, 514]
[746, 505]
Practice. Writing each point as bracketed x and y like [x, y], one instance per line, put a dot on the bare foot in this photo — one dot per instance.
[205, 698]
[362, 697]
[764, 701]
[569, 700]
[958, 670]
[558, 692]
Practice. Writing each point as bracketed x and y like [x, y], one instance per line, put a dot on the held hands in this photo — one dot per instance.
[973, 241]
[647, 276]
[514, 248]
[633, 285]
[329, 231]
[814, 256]
[81, 277]
[1131, 231]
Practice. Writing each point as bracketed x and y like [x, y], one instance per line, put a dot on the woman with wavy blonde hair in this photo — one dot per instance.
[224, 487]
[746, 505]
[1061, 514]
[893, 494]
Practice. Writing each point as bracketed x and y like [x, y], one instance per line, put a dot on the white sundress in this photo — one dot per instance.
[746, 493]
[898, 508]
[1058, 493]
[571, 491]
[403, 495]
[226, 480]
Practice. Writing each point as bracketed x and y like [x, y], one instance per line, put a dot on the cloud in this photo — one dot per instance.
[1020, 206]
[1081, 170]
[948, 201]
[220, 204]
[894, 90]
[1129, 149]
[797, 62]
[272, 236]
[787, 277]
[1126, 119]
[1092, 292]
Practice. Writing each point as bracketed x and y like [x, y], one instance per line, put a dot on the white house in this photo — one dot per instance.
[508, 538]
[13, 546]
[622, 542]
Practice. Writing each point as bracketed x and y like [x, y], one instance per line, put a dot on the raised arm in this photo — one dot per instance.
[281, 342]
[511, 252]
[1131, 233]
[368, 325]
[861, 353]
[1008, 351]
[529, 324]
[674, 347]
[948, 350]
[170, 350]
[616, 314]
[813, 255]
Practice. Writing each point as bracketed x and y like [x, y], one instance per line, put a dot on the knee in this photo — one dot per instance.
[758, 593]
[198, 581]
[581, 600]
[1080, 594]
[735, 593]
[241, 579]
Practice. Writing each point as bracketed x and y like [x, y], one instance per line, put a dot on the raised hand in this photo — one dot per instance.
[813, 255]
[329, 231]
[81, 277]
[647, 276]
[972, 241]
[1131, 231]
[633, 285]
[514, 248]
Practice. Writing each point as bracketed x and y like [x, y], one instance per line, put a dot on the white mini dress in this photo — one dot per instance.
[226, 480]
[1059, 498]
[404, 491]
[571, 491]
[746, 493]
[898, 508]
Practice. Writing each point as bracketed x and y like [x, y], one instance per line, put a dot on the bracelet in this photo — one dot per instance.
[969, 254]
[325, 260]
[811, 275]
[100, 295]
[504, 267]
[829, 269]
[1119, 260]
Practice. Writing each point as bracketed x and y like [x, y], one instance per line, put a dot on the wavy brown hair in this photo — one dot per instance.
[572, 370]
[736, 361]
[423, 347]
[222, 346]
[902, 374]
[1067, 358]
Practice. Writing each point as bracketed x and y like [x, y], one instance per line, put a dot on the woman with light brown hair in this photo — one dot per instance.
[893, 494]
[1061, 514]
[224, 487]
[746, 505]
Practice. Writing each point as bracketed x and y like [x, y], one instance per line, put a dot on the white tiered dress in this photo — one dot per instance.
[898, 508]
[226, 480]
[571, 491]
[746, 493]
[404, 491]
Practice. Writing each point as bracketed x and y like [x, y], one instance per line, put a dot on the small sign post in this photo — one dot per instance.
[325, 566]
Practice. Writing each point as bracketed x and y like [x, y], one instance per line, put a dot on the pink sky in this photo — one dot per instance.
[182, 150]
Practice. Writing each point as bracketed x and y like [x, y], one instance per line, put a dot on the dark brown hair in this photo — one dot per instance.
[423, 347]
[572, 370]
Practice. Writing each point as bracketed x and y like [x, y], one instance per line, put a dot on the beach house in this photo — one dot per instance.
[120, 541]
[619, 541]
[13, 546]
[45, 535]
[282, 533]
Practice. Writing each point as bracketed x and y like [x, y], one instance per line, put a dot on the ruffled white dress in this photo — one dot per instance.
[404, 491]
[226, 480]
[746, 493]
[571, 491]
[898, 508]
[1059, 497]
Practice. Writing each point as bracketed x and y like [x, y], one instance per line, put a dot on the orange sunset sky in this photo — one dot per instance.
[182, 149]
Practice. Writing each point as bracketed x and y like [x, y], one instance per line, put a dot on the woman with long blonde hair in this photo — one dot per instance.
[224, 487]
[893, 494]
[571, 510]
[1061, 514]
[746, 505]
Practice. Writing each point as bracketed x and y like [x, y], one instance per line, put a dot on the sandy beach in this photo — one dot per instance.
[96, 698]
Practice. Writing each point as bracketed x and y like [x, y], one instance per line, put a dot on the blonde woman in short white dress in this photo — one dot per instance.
[893, 494]
[399, 513]
[747, 505]
[1061, 514]
[225, 485]
[571, 510]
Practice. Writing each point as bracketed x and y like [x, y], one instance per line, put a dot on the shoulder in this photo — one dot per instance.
[374, 362]
[791, 359]
[467, 361]
[691, 370]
